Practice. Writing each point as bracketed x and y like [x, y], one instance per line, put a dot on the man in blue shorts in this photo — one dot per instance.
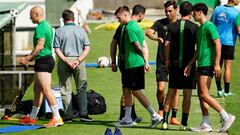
[226, 18]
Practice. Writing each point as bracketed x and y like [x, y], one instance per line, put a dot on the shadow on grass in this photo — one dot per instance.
[94, 122]
[144, 127]
[9, 122]
[141, 125]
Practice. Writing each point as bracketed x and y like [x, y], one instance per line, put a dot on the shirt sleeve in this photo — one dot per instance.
[214, 15]
[238, 20]
[155, 26]
[40, 33]
[117, 34]
[213, 32]
[195, 33]
[57, 40]
[132, 36]
[85, 39]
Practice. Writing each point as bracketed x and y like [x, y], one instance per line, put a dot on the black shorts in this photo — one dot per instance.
[161, 73]
[134, 78]
[44, 64]
[177, 80]
[123, 77]
[207, 71]
[227, 52]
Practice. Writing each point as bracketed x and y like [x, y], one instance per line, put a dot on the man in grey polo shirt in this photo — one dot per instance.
[72, 46]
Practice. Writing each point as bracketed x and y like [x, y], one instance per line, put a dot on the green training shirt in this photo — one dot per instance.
[206, 51]
[133, 33]
[43, 30]
[238, 20]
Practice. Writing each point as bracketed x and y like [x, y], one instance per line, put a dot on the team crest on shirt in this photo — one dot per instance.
[222, 17]
[165, 29]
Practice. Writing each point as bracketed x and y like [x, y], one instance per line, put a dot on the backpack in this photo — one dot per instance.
[96, 103]
[24, 107]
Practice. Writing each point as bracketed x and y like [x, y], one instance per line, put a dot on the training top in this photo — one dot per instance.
[186, 50]
[44, 31]
[160, 26]
[133, 33]
[206, 51]
[225, 18]
[118, 36]
[71, 40]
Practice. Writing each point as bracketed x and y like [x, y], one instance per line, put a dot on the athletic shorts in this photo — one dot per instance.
[227, 52]
[162, 73]
[207, 71]
[44, 64]
[123, 77]
[177, 80]
[134, 78]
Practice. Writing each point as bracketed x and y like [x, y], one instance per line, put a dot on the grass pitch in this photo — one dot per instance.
[108, 84]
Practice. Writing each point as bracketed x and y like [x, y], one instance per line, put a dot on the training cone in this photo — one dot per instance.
[117, 131]
[108, 131]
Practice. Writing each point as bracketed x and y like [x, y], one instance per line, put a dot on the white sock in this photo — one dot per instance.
[128, 112]
[206, 120]
[55, 111]
[151, 111]
[34, 112]
[224, 114]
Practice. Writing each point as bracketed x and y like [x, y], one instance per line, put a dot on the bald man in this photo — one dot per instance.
[44, 64]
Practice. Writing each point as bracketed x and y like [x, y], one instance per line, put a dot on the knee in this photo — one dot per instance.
[168, 101]
[83, 86]
[160, 92]
[45, 92]
[135, 93]
[160, 88]
[203, 96]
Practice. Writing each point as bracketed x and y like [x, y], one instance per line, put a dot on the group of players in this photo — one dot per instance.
[181, 43]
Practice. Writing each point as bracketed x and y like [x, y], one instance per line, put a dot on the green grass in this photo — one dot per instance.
[108, 84]
[233, 101]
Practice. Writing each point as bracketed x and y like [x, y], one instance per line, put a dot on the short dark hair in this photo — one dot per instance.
[121, 9]
[171, 3]
[137, 9]
[67, 15]
[186, 8]
[201, 7]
